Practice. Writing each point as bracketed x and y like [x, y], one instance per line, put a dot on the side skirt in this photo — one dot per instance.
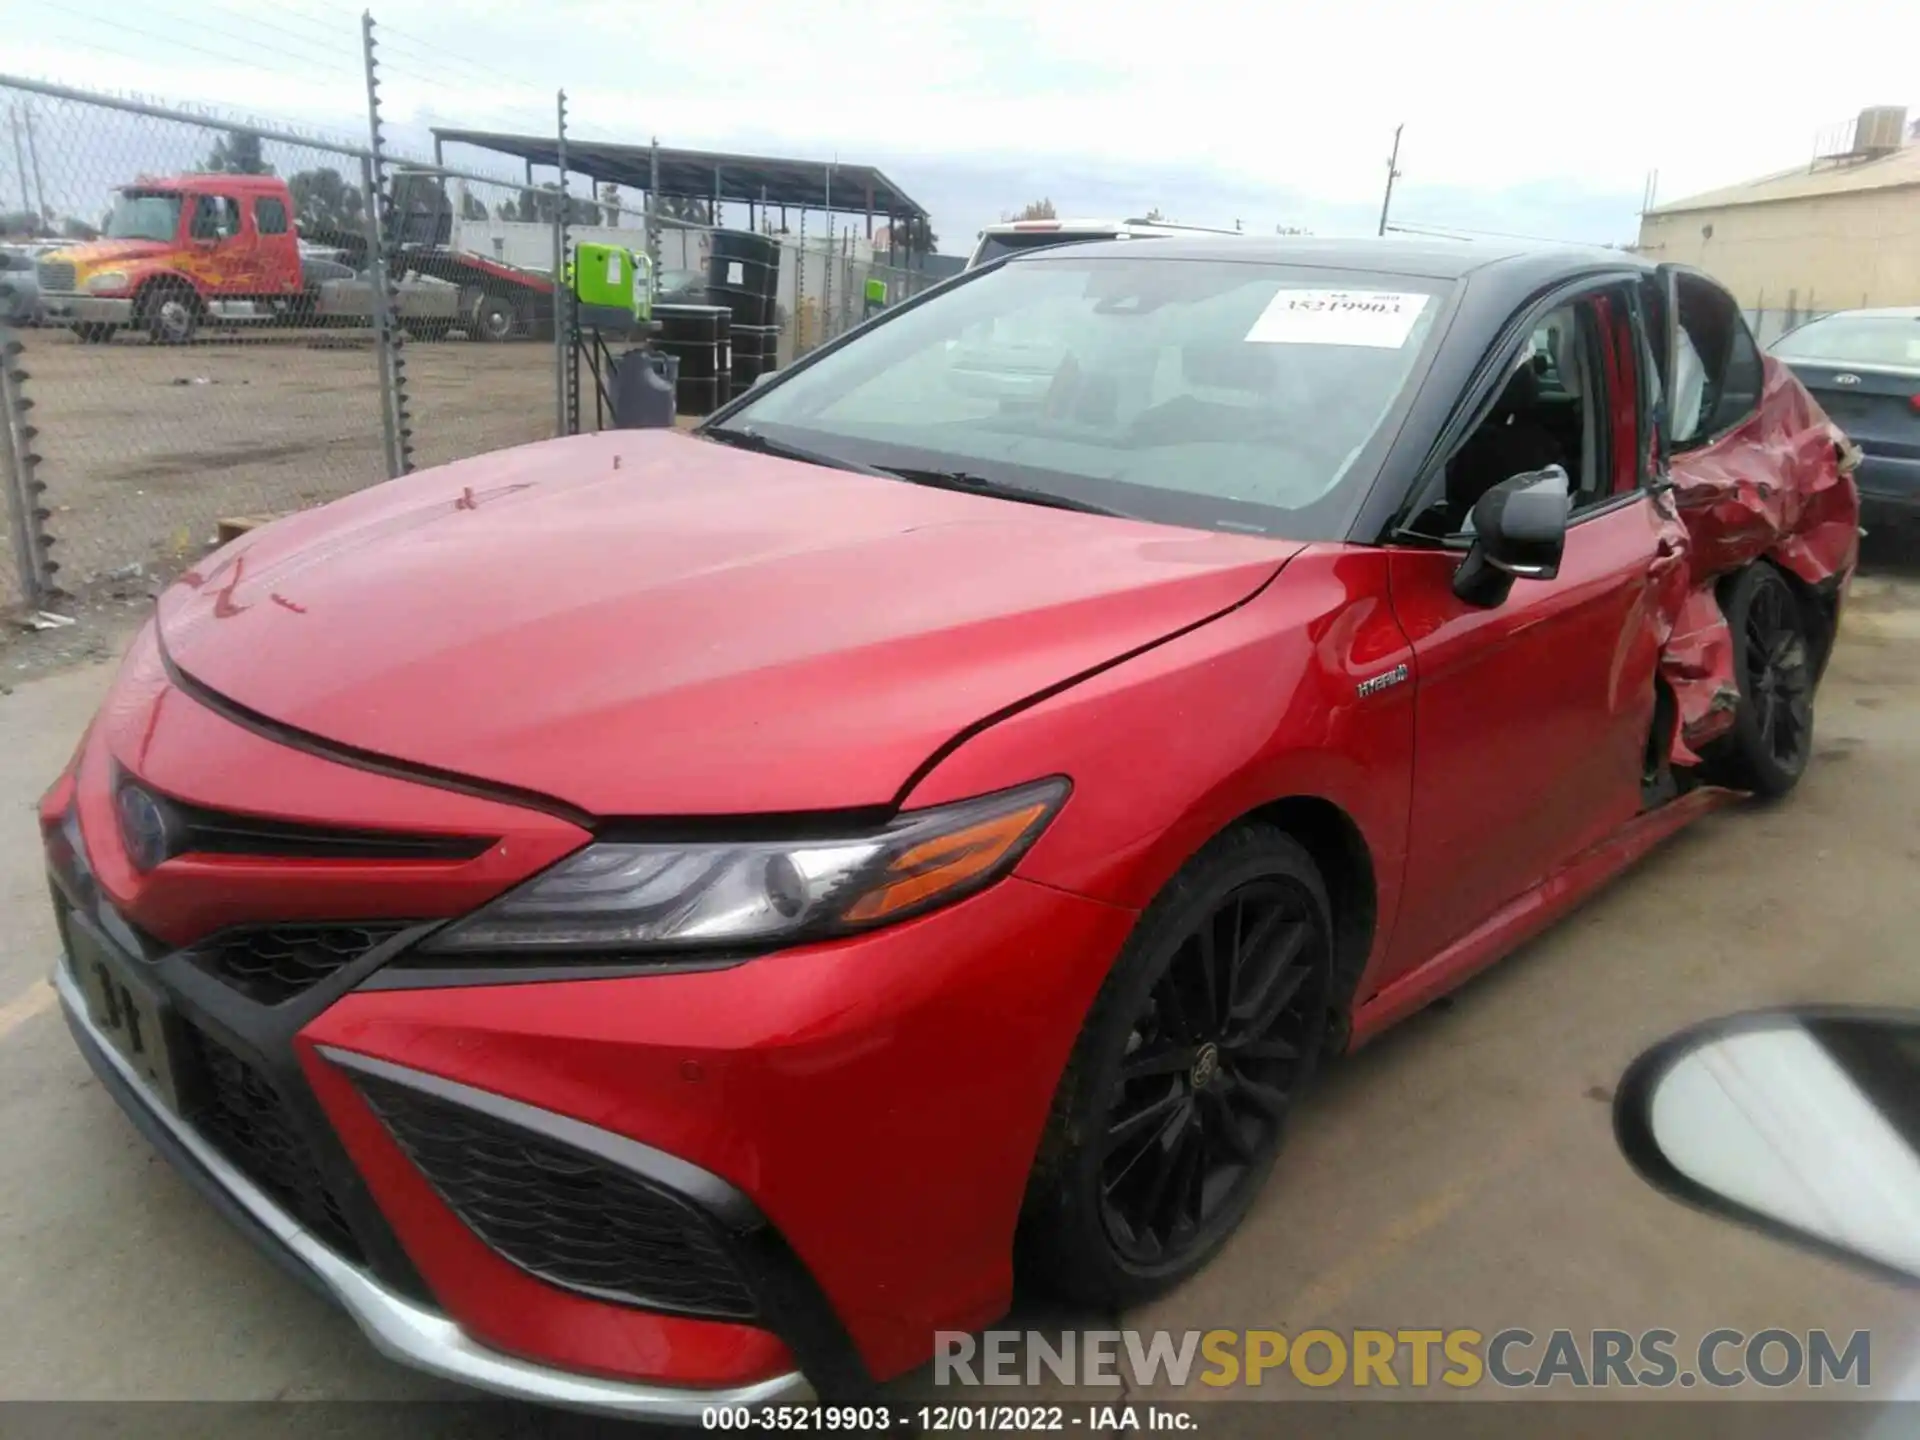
[1528, 914]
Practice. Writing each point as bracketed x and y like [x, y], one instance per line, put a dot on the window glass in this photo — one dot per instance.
[270, 216]
[1227, 394]
[215, 217]
[1719, 377]
[1854, 339]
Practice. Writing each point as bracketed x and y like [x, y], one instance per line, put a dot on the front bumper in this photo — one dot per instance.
[76, 309]
[400, 1328]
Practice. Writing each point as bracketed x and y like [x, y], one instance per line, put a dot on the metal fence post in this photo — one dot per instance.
[387, 341]
[653, 206]
[800, 291]
[382, 323]
[566, 408]
[24, 511]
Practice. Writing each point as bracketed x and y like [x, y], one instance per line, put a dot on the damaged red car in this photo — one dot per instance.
[654, 920]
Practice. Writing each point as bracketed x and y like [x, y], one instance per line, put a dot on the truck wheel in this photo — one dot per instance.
[95, 333]
[494, 319]
[171, 315]
[1772, 736]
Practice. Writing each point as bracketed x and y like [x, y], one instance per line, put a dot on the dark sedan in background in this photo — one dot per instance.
[1863, 366]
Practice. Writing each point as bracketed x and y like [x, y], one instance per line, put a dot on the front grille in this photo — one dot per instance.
[275, 964]
[568, 1217]
[55, 275]
[244, 1116]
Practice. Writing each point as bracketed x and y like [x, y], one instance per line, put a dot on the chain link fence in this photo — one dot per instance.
[209, 319]
[194, 329]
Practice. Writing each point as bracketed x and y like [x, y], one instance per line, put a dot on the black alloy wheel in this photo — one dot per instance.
[1778, 675]
[1209, 1069]
[1767, 748]
[1175, 1102]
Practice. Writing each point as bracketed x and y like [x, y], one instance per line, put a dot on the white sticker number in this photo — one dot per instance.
[1380, 319]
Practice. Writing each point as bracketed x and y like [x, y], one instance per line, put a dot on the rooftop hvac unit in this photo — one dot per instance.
[1880, 129]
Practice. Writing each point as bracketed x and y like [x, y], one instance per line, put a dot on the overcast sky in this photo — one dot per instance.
[1539, 119]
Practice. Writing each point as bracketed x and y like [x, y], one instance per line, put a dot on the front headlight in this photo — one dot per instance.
[106, 280]
[622, 897]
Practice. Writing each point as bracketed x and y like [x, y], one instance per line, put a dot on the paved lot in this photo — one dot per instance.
[1459, 1172]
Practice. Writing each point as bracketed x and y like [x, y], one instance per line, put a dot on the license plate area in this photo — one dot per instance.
[126, 1008]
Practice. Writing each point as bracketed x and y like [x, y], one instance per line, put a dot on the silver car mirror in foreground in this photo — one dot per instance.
[1801, 1123]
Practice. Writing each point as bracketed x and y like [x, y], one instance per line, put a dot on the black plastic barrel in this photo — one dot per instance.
[755, 350]
[743, 274]
[700, 337]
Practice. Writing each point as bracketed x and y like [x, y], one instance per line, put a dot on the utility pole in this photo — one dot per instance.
[20, 160]
[33, 154]
[1393, 174]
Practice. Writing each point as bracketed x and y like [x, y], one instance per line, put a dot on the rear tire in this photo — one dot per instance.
[1767, 749]
[494, 319]
[1174, 1103]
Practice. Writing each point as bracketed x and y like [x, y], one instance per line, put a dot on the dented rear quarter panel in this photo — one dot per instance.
[1776, 487]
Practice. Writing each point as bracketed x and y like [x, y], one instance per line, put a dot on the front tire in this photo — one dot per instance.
[171, 315]
[1767, 748]
[1174, 1103]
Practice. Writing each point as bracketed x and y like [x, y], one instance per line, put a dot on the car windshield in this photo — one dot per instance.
[1856, 340]
[1232, 395]
[144, 215]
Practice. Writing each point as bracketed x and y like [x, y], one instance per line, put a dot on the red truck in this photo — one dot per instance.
[180, 252]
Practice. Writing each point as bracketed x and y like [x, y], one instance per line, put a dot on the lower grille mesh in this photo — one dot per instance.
[561, 1214]
[275, 964]
[245, 1117]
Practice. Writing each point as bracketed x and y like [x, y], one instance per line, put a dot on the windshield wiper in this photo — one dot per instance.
[763, 444]
[972, 484]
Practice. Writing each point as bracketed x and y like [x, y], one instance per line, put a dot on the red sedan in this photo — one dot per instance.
[653, 920]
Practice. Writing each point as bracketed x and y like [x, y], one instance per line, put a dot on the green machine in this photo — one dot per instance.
[612, 287]
[611, 290]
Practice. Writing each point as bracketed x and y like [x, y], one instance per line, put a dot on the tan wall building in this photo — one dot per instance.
[1839, 233]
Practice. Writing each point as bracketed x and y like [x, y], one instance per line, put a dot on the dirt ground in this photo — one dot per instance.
[144, 448]
[1461, 1171]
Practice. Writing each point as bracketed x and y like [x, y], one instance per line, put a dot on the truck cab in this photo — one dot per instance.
[175, 252]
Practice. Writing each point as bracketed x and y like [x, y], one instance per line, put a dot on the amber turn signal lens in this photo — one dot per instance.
[946, 862]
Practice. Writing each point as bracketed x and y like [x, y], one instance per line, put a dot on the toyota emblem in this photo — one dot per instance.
[145, 828]
[1846, 379]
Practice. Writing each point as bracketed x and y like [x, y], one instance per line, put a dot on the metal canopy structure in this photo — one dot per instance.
[708, 175]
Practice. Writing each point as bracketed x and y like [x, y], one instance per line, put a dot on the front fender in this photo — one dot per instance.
[1171, 747]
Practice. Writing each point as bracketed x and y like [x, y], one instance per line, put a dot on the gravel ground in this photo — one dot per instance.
[144, 448]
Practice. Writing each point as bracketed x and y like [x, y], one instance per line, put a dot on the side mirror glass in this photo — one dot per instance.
[1519, 532]
[1803, 1124]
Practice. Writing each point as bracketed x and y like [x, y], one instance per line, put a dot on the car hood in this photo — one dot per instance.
[645, 623]
[105, 252]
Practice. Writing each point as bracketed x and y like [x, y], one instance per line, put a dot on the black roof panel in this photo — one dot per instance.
[1392, 255]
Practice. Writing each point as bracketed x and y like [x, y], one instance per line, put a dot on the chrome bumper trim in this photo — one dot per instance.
[86, 309]
[410, 1333]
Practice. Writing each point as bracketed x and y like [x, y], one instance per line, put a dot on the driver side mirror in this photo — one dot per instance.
[1519, 532]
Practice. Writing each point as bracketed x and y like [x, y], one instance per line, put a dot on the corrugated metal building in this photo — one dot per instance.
[1835, 234]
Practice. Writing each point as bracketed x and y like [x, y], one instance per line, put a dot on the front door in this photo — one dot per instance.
[1533, 717]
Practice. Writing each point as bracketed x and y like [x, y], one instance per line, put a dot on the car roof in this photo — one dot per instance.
[1390, 254]
[1880, 312]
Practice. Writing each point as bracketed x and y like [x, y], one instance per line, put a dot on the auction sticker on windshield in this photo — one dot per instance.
[1381, 319]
